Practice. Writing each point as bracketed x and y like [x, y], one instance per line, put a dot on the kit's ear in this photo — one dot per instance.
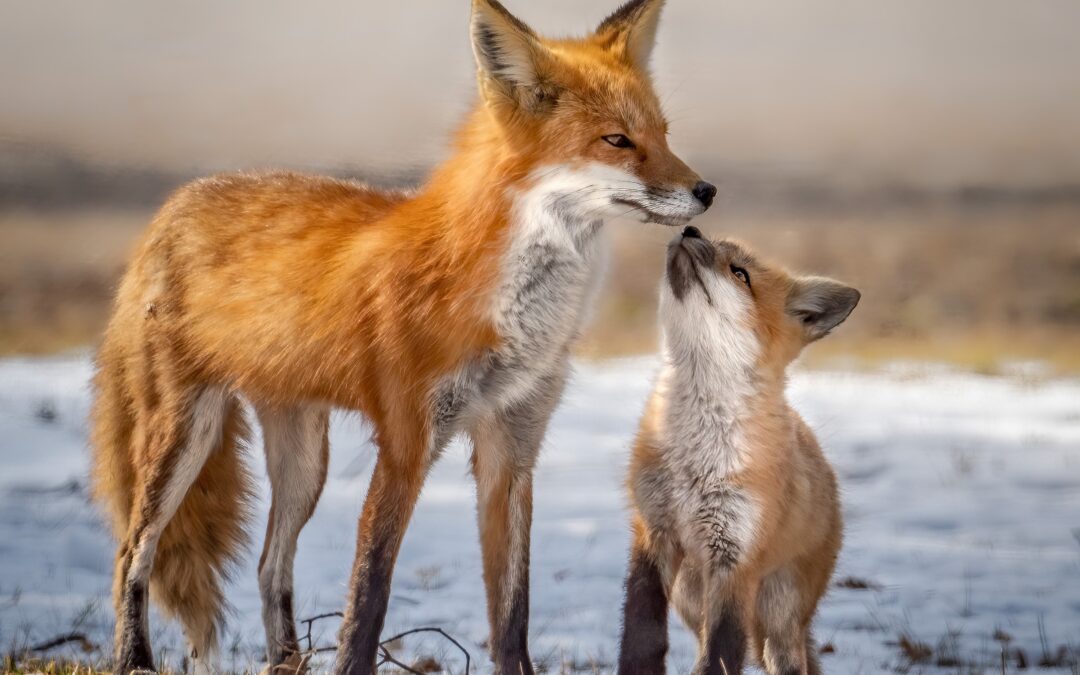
[509, 56]
[630, 31]
[820, 304]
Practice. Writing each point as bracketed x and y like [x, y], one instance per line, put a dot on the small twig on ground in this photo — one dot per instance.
[384, 649]
[61, 640]
[440, 631]
[17, 656]
[313, 619]
[387, 658]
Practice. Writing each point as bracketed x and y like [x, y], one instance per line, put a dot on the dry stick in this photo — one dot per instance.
[387, 658]
[440, 631]
[312, 620]
[57, 641]
[13, 657]
[383, 648]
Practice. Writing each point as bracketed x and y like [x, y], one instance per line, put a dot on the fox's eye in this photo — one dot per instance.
[619, 141]
[741, 274]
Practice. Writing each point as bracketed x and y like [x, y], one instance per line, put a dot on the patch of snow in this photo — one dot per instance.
[961, 494]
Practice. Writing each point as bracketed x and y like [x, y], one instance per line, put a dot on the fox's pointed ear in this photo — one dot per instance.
[820, 305]
[631, 30]
[508, 54]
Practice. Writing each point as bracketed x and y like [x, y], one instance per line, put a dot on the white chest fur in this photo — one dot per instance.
[703, 441]
[550, 274]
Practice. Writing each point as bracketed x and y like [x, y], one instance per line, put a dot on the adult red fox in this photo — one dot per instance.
[736, 514]
[450, 309]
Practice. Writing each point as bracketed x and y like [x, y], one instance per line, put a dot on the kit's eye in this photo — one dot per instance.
[618, 140]
[741, 275]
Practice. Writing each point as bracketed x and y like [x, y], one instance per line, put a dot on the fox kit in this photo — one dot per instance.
[451, 309]
[736, 518]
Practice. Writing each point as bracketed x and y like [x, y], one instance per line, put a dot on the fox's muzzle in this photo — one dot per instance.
[689, 256]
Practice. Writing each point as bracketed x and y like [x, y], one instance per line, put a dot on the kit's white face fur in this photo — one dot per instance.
[707, 318]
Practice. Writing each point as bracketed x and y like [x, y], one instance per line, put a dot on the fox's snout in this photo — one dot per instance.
[692, 232]
[704, 193]
[690, 256]
[670, 176]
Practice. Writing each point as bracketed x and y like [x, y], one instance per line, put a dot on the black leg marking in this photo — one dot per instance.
[288, 645]
[725, 647]
[133, 652]
[644, 643]
[511, 653]
[359, 639]
[285, 608]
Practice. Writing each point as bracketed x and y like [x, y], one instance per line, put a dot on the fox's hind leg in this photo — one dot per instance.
[784, 636]
[297, 450]
[172, 442]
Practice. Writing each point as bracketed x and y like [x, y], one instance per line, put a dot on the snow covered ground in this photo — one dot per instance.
[962, 497]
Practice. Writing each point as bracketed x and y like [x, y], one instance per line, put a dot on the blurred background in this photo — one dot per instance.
[927, 152]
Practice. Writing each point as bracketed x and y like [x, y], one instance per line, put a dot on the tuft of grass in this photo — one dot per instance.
[49, 667]
[915, 651]
[948, 654]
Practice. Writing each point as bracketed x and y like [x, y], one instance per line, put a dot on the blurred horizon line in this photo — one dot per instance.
[40, 176]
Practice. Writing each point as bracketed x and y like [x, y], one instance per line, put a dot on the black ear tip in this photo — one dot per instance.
[625, 13]
[497, 7]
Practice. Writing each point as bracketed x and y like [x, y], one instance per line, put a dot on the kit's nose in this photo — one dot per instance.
[691, 232]
[704, 192]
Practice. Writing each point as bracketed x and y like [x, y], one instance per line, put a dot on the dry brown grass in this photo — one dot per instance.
[57, 272]
[976, 287]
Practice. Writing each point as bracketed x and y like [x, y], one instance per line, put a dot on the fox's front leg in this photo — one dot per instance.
[395, 487]
[506, 444]
[504, 501]
[644, 643]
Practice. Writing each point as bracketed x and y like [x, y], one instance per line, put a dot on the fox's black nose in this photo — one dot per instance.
[704, 192]
[691, 232]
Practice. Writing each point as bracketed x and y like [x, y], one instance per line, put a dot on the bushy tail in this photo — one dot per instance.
[205, 538]
[112, 472]
[206, 535]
